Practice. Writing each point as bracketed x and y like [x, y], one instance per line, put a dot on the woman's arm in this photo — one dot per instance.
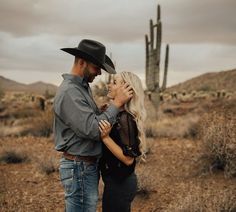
[105, 128]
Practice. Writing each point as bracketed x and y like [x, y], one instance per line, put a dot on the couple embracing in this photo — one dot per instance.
[95, 141]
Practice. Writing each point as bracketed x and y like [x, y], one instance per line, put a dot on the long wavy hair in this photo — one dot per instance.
[136, 106]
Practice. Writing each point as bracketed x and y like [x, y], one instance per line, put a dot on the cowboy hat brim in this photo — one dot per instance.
[78, 53]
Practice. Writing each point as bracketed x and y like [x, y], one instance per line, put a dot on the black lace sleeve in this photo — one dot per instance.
[129, 135]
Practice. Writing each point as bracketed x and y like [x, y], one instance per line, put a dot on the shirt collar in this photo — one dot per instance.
[76, 79]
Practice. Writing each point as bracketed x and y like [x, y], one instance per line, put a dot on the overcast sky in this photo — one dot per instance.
[201, 35]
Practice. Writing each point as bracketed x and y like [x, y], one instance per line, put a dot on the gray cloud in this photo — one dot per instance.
[211, 21]
[202, 34]
[122, 21]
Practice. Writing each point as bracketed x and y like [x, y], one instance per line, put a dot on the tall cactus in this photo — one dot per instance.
[153, 55]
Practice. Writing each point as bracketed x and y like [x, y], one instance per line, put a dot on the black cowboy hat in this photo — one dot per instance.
[94, 52]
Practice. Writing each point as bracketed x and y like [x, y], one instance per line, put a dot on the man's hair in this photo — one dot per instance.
[76, 60]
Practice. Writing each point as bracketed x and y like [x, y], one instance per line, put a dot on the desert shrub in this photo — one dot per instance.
[100, 89]
[219, 142]
[40, 125]
[25, 112]
[47, 167]
[204, 200]
[12, 156]
[205, 88]
[2, 108]
[2, 93]
[193, 130]
[48, 95]
[168, 110]
[150, 131]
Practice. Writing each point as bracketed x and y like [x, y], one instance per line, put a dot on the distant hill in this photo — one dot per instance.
[215, 81]
[41, 87]
[37, 87]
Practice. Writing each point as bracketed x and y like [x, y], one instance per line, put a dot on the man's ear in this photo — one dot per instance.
[82, 62]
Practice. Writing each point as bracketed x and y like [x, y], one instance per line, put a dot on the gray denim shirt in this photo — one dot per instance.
[76, 118]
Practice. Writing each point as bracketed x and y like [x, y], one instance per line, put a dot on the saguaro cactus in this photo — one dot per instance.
[153, 56]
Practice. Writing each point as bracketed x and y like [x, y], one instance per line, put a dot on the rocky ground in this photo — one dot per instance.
[171, 176]
[174, 177]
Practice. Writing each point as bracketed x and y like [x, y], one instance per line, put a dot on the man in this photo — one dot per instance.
[76, 124]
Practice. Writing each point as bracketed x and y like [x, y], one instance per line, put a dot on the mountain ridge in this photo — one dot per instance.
[38, 87]
[211, 81]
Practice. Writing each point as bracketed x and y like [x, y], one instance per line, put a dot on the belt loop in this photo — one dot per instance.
[82, 165]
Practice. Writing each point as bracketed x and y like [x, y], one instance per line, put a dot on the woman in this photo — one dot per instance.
[123, 142]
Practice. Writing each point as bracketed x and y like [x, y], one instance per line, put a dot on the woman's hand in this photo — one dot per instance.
[105, 128]
[104, 107]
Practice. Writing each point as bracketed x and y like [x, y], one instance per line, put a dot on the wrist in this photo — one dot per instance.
[117, 103]
[106, 139]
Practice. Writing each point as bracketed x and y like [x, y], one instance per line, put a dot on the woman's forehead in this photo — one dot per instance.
[118, 77]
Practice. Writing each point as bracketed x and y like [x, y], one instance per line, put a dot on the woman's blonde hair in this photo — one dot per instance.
[136, 106]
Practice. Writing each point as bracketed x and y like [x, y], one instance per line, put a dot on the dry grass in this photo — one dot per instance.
[38, 125]
[219, 142]
[205, 200]
[173, 127]
[145, 182]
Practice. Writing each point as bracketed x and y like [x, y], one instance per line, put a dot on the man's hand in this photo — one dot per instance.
[124, 95]
[105, 128]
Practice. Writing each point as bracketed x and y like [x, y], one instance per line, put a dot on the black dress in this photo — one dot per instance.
[120, 182]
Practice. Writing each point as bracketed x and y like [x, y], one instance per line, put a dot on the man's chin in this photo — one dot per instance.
[90, 79]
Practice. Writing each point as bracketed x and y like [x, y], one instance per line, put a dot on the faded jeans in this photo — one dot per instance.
[80, 182]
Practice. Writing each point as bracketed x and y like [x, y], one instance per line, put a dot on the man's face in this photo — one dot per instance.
[91, 71]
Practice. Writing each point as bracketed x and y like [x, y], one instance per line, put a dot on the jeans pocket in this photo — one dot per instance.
[67, 179]
[91, 167]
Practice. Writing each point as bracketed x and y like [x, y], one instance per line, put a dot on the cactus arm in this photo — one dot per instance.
[158, 13]
[166, 68]
[151, 35]
[147, 51]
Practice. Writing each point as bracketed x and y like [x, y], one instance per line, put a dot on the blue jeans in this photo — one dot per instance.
[80, 182]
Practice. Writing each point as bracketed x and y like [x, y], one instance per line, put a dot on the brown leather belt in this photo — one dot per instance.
[89, 159]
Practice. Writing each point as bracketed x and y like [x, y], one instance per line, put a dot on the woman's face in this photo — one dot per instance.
[114, 86]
